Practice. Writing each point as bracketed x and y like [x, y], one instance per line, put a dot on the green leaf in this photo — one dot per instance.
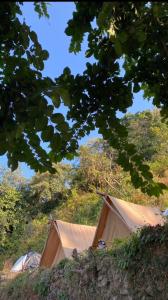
[44, 54]
[49, 110]
[55, 97]
[122, 37]
[69, 156]
[118, 47]
[156, 9]
[136, 88]
[57, 118]
[33, 37]
[88, 53]
[47, 134]
[130, 148]
[14, 164]
[41, 123]
[3, 148]
[56, 142]
[64, 93]
[63, 127]
[141, 36]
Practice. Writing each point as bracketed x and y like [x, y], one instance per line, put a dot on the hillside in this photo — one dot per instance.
[132, 269]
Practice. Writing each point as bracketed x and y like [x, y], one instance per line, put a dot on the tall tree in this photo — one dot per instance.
[47, 190]
[10, 211]
[14, 179]
[148, 132]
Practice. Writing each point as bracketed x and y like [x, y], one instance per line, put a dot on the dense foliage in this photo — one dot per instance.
[26, 117]
[130, 31]
[134, 33]
[80, 208]
[48, 190]
[129, 252]
[24, 207]
[9, 211]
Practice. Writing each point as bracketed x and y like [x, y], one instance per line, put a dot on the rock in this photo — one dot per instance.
[123, 292]
[116, 277]
[103, 282]
[149, 291]
[160, 286]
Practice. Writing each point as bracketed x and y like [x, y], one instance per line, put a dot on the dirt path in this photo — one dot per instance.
[6, 276]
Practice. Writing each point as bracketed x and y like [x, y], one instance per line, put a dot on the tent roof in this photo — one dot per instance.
[30, 259]
[63, 237]
[74, 236]
[134, 216]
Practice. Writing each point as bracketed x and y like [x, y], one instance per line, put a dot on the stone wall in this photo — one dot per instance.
[98, 278]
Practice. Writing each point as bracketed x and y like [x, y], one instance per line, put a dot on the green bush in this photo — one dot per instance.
[130, 252]
[80, 208]
[41, 285]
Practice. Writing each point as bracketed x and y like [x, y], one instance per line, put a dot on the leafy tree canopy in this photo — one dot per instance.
[135, 32]
[47, 190]
[10, 210]
[26, 117]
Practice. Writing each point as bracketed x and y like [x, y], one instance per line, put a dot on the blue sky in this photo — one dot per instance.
[52, 38]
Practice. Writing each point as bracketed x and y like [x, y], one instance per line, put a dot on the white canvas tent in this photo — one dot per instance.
[119, 219]
[165, 213]
[30, 260]
[63, 238]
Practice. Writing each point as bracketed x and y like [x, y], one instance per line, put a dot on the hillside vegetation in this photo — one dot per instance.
[132, 269]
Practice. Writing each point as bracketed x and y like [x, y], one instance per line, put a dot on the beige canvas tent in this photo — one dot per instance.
[119, 219]
[63, 238]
